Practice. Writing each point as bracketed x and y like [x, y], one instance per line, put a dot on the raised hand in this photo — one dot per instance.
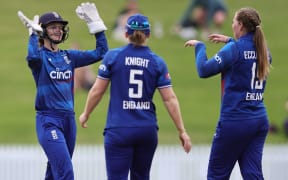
[89, 13]
[32, 25]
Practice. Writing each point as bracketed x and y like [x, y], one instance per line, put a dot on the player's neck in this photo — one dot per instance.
[51, 46]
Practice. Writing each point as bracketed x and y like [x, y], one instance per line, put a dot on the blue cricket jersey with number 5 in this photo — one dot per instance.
[242, 91]
[139, 73]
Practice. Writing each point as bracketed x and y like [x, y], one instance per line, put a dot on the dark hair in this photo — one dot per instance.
[251, 21]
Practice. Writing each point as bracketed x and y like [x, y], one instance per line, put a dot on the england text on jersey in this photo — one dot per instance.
[142, 105]
[254, 96]
[136, 61]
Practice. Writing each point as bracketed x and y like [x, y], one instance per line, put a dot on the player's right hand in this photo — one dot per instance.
[83, 120]
[32, 25]
[186, 142]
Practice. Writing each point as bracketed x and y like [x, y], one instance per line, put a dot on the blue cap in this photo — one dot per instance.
[138, 22]
[51, 17]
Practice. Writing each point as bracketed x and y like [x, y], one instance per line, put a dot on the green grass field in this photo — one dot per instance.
[199, 99]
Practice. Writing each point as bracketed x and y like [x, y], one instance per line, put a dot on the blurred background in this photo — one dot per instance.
[199, 99]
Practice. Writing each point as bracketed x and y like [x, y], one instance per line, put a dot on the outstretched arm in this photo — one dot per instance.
[172, 105]
[219, 62]
[34, 29]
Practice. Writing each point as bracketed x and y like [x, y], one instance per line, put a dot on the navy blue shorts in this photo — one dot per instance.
[130, 150]
[56, 132]
[238, 141]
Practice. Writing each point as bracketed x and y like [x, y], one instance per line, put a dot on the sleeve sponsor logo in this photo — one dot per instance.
[102, 67]
[218, 59]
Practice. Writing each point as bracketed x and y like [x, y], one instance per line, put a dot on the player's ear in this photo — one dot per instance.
[241, 26]
[126, 34]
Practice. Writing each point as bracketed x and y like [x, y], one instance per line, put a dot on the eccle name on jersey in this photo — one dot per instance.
[250, 55]
[136, 61]
[142, 105]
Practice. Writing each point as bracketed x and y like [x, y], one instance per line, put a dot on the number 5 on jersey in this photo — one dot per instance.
[138, 91]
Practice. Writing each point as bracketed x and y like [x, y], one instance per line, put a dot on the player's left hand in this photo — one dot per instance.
[83, 120]
[191, 43]
[186, 142]
[89, 13]
[216, 38]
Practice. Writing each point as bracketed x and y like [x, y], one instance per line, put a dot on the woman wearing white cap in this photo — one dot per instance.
[135, 72]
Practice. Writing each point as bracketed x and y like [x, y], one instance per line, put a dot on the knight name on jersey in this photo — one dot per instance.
[142, 105]
[254, 96]
[136, 61]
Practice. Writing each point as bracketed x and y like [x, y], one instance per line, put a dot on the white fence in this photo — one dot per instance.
[28, 162]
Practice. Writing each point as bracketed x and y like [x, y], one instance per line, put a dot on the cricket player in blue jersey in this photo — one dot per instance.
[53, 72]
[243, 124]
[135, 72]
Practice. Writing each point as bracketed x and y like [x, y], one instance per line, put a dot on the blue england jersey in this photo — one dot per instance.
[135, 73]
[242, 91]
[53, 72]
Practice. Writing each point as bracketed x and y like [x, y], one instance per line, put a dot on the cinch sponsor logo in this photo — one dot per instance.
[60, 75]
